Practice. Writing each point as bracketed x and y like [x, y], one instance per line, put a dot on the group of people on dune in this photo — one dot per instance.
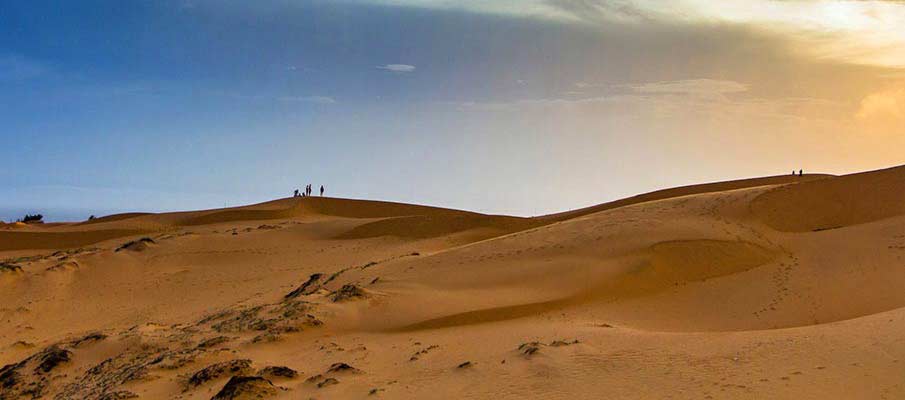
[307, 191]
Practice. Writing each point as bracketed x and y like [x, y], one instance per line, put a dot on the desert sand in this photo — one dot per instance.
[786, 287]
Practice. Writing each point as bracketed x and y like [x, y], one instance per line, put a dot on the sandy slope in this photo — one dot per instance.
[780, 287]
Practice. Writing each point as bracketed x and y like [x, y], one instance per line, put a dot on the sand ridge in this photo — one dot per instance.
[779, 287]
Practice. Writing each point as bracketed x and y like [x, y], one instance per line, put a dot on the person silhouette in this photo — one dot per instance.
[296, 194]
[800, 172]
[322, 190]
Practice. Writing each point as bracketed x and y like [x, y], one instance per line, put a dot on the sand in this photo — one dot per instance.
[777, 287]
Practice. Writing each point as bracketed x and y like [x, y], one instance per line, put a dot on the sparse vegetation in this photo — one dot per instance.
[9, 267]
[136, 245]
[32, 218]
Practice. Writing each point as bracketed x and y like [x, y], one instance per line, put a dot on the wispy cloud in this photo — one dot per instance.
[287, 99]
[309, 99]
[863, 31]
[680, 99]
[704, 87]
[397, 68]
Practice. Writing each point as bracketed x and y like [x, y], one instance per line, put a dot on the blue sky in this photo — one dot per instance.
[507, 107]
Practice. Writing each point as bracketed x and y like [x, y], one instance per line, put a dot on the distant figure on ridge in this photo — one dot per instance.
[800, 172]
[322, 190]
[296, 194]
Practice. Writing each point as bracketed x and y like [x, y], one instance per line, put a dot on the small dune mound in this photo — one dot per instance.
[10, 268]
[246, 388]
[348, 292]
[270, 322]
[12, 225]
[218, 370]
[342, 367]
[51, 358]
[22, 345]
[310, 286]
[271, 372]
[31, 376]
[137, 245]
[90, 338]
[328, 382]
[64, 266]
[833, 203]
[213, 342]
[530, 348]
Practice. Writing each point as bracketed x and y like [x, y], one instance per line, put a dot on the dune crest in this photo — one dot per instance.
[835, 202]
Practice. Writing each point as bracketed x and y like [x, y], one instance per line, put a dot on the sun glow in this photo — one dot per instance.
[862, 32]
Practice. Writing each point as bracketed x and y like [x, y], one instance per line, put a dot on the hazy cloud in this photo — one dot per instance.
[883, 106]
[309, 99]
[684, 99]
[261, 97]
[600, 10]
[692, 87]
[398, 68]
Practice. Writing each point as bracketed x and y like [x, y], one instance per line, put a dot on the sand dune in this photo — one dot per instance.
[687, 191]
[834, 203]
[35, 240]
[778, 287]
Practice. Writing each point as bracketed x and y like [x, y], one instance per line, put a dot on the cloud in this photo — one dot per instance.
[261, 97]
[17, 68]
[884, 106]
[309, 99]
[397, 68]
[530, 8]
[862, 32]
[599, 10]
[692, 87]
[703, 99]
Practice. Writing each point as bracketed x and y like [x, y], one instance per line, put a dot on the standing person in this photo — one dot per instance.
[322, 190]
[296, 194]
[800, 172]
[308, 189]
